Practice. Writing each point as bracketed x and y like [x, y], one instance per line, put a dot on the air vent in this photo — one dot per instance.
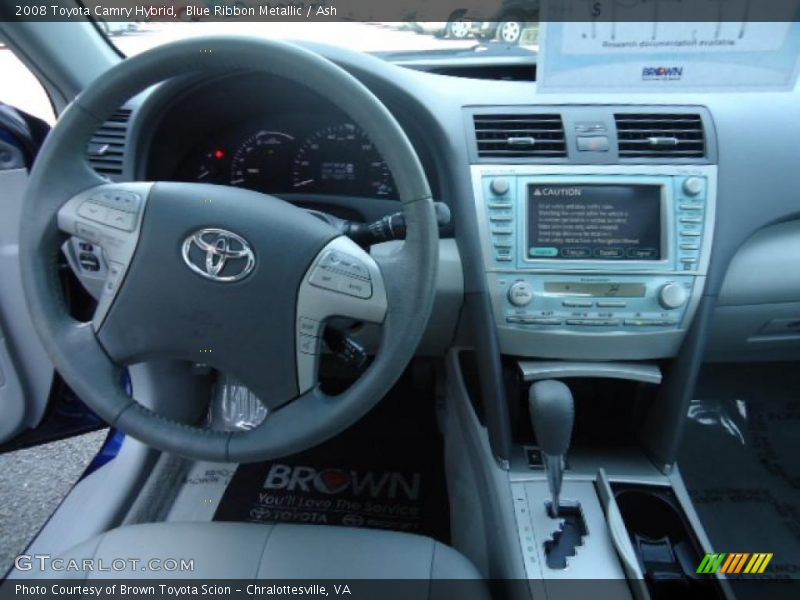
[106, 150]
[660, 135]
[520, 136]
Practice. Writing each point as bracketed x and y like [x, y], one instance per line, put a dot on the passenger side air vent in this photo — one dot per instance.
[660, 135]
[106, 149]
[520, 136]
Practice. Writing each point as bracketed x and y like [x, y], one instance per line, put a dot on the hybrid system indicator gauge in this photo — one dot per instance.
[340, 159]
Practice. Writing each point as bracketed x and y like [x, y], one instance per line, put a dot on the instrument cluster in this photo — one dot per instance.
[297, 153]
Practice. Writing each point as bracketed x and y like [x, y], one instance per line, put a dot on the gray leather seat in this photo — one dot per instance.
[249, 551]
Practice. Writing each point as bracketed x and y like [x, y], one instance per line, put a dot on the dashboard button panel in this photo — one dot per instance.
[612, 300]
[105, 221]
[663, 303]
[343, 281]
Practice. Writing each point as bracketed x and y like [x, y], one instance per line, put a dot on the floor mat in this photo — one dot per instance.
[386, 472]
[741, 463]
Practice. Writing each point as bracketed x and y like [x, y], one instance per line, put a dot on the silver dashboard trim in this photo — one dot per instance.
[548, 369]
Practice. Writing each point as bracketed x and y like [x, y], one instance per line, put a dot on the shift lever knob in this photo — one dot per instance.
[552, 414]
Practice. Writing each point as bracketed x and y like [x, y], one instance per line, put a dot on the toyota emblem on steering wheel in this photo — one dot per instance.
[218, 254]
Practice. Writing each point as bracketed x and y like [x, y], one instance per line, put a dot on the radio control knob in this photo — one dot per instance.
[672, 295]
[499, 186]
[692, 186]
[520, 293]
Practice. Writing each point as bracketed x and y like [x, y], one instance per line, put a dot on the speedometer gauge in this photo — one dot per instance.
[262, 160]
[340, 159]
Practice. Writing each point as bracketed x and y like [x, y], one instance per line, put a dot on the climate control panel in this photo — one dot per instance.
[581, 304]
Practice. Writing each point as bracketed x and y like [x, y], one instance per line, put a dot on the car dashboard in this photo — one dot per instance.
[565, 300]
[616, 241]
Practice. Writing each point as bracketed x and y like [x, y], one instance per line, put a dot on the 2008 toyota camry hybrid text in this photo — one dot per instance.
[321, 298]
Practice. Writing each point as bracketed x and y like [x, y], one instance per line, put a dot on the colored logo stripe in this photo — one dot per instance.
[758, 563]
[710, 563]
[735, 562]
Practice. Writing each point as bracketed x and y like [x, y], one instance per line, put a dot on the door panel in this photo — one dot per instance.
[26, 372]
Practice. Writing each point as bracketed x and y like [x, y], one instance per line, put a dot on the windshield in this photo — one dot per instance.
[409, 37]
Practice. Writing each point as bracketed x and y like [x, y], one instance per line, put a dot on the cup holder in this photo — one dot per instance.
[666, 546]
[650, 515]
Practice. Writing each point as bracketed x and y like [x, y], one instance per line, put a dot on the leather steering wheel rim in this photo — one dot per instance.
[62, 173]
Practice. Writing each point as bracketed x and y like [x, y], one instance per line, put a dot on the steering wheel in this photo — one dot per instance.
[235, 279]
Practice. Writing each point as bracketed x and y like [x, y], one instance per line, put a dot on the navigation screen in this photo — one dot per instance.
[594, 222]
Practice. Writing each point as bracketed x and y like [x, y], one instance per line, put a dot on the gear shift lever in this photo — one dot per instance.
[552, 414]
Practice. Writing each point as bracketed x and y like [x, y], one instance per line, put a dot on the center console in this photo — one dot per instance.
[583, 260]
[595, 225]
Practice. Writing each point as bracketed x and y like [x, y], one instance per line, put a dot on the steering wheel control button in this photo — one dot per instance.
[86, 232]
[89, 262]
[331, 259]
[307, 344]
[356, 287]
[93, 211]
[344, 264]
[119, 219]
[306, 326]
[327, 279]
[520, 293]
[115, 271]
[119, 200]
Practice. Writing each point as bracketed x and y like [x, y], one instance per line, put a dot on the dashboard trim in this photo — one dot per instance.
[536, 370]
